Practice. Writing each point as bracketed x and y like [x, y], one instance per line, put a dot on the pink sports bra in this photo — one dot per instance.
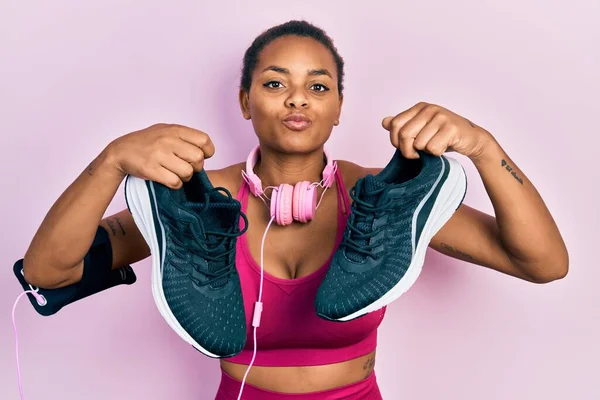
[290, 332]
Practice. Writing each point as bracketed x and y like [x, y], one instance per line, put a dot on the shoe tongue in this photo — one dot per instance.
[371, 187]
[220, 215]
[373, 183]
[221, 212]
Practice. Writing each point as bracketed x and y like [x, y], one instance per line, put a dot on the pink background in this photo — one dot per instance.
[76, 75]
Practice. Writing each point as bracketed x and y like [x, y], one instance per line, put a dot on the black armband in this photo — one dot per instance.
[97, 276]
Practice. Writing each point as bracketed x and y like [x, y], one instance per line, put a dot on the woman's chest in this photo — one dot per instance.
[297, 250]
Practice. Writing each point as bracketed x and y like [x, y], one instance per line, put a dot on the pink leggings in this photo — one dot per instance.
[367, 389]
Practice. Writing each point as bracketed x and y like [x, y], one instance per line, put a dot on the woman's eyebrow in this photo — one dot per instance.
[311, 72]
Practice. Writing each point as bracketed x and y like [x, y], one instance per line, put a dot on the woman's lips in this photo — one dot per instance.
[296, 125]
[297, 121]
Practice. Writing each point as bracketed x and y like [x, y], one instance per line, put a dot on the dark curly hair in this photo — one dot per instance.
[294, 27]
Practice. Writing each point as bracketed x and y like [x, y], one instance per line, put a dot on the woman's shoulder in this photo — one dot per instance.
[229, 177]
[352, 172]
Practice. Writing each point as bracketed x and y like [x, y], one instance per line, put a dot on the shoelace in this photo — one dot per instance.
[361, 212]
[212, 251]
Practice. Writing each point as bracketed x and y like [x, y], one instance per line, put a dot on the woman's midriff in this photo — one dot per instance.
[304, 379]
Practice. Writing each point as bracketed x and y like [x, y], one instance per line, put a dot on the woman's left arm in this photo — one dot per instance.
[523, 239]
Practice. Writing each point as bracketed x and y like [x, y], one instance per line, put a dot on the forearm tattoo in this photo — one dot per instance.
[111, 224]
[456, 251]
[512, 172]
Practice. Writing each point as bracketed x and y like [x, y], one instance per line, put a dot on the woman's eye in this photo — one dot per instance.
[269, 84]
[276, 85]
[323, 87]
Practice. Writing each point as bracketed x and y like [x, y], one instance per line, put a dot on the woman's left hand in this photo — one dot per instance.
[435, 130]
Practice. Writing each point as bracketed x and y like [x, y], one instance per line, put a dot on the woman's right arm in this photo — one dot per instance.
[55, 256]
[168, 154]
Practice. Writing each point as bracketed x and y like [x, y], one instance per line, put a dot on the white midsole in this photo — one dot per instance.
[448, 200]
[138, 199]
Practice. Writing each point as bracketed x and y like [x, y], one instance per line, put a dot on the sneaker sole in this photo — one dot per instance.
[448, 200]
[139, 200]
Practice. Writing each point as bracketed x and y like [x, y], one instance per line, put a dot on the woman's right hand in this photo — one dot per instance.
[165, 153]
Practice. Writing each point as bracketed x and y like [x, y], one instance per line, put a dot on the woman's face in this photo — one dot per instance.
[294, 75]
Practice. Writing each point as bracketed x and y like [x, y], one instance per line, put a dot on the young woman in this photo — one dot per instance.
[292, 91]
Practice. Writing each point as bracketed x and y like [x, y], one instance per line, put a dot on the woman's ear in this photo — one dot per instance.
[244, 104]
[339, 113]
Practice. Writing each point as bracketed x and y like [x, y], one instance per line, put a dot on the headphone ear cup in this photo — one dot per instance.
[309, 203]
[273, 205]
[305, 201]
[297, 200]
[281, 204]
[286, 204]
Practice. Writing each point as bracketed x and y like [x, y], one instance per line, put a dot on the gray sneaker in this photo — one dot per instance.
[393, 217]
[192, 234]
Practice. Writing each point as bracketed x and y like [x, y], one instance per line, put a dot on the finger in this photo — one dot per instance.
[406, 146]
[440, 141]
[403, 117]
[408, 133]
[199, 139]
[190, 153]
[386, 123]
[395, 124]
[427, 132]
[167, 178]
[176, 165]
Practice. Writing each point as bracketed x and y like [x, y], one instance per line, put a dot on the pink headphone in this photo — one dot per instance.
[289, 203]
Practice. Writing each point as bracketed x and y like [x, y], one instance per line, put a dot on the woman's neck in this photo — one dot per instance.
[276, 168]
